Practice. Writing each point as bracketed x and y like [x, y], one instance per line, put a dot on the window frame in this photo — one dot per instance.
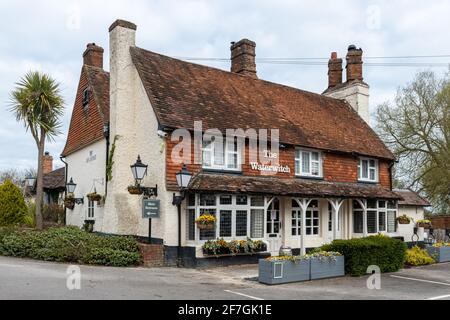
[298, 219]
[235, 208]
[299, 163]
[86, 97]
[91, 210]
[227, 155]
[369, 168]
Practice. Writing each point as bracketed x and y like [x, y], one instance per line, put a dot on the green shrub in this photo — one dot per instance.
[382, 251]
[70, 244]
[12, 205]
[111, 257]
[418, 257]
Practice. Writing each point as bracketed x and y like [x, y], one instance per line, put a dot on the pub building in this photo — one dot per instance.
[333, 178]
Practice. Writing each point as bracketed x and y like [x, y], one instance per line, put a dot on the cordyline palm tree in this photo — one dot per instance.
[36, 101]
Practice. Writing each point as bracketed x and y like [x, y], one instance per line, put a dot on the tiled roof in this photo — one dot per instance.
[87, 127]
[55, 179]
[411, 198]
[182, 92]
[229, 183]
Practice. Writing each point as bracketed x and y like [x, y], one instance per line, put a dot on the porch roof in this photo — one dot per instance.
[232, 183]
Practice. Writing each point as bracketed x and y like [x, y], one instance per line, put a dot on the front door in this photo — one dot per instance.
[273, 235]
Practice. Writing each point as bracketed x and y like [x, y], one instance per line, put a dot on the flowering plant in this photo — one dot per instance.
[441, 244]
[321, 255]
[424, 223]
[206, 221]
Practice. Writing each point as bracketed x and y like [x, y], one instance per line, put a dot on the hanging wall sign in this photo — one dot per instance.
[151, 209]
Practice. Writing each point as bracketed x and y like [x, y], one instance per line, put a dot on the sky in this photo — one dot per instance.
[50, 36]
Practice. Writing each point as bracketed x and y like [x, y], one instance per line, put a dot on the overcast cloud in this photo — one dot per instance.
[51, 36]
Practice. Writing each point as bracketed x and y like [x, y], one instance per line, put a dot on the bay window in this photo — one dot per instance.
[237, 216]
[368, 170]
[308, 163]
[221, 154]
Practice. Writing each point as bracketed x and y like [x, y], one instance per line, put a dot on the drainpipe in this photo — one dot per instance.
[106, 135]
[65, 183]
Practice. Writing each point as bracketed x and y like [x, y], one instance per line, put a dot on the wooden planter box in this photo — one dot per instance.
[278, 272]
[441, 254]
[327, 268]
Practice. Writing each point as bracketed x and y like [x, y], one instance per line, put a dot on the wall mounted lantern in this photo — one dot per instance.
[70, 187]
[139, 171]
[183, 180]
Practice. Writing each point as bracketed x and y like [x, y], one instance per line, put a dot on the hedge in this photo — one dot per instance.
[71, 245]
[382, 251]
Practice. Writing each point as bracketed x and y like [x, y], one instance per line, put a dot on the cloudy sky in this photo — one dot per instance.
[51, 36]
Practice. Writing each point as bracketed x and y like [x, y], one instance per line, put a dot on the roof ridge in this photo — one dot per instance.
[319, 95]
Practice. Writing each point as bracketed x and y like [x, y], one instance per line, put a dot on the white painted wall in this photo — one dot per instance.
[407, 230]
[87, 168]
[357, 95]
[134, 122]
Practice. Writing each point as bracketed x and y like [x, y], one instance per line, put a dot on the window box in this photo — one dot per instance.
[327, 268]
[278, 272]
[439, 254]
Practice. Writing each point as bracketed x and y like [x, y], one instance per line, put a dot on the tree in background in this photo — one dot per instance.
[36, 101]
[13, 209]
[417, 128]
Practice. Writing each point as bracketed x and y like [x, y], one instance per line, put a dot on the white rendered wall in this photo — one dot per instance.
[134, 122]
[87, 168]
[407, 230]
[357, 95]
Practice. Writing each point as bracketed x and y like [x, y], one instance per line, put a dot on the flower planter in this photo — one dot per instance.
[135, 190]
[322, 268]
[206, 226]
[94, 197]
[69, 204]
[278, 272]
[424, 225]
[440, 254]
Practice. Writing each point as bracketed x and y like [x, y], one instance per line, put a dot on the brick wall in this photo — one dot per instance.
[153, 254]
[336, 167]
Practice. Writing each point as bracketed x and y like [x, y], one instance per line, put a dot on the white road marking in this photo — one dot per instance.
[422, 280]
[440, 297]
[244, 295]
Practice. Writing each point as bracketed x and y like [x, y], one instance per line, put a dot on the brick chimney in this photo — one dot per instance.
[355, 91]
[334, 71]
[47, 163]
[243, 58]
[354, 64]
[93, 56]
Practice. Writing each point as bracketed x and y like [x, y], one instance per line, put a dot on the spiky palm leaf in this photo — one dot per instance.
[37, 102]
